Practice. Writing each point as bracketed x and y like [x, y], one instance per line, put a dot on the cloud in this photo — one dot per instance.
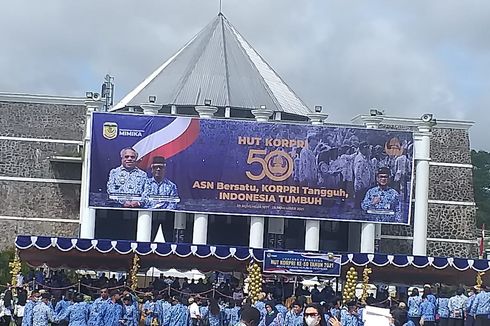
[407, 58]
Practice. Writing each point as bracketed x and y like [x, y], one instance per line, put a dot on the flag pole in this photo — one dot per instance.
[482, 242]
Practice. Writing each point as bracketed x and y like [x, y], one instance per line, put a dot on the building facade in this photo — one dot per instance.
[43, 141]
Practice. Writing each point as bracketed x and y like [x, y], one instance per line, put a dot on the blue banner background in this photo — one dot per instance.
[216, 156]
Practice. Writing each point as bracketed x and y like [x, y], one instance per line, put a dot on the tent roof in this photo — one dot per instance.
[117, 255]
[220, 65]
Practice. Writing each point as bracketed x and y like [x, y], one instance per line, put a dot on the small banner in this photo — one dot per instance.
[281, 262]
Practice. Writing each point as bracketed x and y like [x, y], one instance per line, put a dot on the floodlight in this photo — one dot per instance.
[427, 117]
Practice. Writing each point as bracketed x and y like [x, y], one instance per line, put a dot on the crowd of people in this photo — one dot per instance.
[113, 307]
[340, 160]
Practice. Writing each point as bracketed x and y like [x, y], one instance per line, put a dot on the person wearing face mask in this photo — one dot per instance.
[313, 316]
[272, 316]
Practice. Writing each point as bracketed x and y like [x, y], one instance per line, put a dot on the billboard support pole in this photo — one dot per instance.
[312, 227]
[368, 230]
[257, 223]
[422, 158]
[200, 230]
[87, 215]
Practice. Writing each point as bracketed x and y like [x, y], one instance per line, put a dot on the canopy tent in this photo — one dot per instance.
[117, 255]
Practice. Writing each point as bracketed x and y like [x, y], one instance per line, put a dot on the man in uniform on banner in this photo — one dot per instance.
[159, 192]
[308, 168]
[126, 182]
[382, 199]
[362, 172]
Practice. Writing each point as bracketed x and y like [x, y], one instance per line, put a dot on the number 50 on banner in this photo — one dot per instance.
[276, 165]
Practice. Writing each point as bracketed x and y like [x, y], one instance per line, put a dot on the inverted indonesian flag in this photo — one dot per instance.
[167, 141]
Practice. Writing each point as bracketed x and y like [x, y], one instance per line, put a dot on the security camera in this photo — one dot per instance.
[207, 102]
[89, 94]
[152, 98]
[318, 108]
[428, 117]
[96, 97]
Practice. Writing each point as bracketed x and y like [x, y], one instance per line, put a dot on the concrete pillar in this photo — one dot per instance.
[263, 114]
[368, 237]
[200, 230]
[143, 227]
[206, 111]
[312, 227]
[422, 158]
[312, 235]
[87, 226]
[173, 110]
[257, 223]
[87, 215]
[256, 239]
[368, 230]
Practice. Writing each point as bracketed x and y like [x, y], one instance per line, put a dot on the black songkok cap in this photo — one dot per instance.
[383, 170]
[158, 160]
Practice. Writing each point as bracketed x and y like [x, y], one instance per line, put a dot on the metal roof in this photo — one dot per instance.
[220, 65]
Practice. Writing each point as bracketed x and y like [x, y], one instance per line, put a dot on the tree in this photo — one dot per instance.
[481, 185]
[6, 257]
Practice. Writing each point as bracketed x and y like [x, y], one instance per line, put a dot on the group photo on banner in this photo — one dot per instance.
[249, 168]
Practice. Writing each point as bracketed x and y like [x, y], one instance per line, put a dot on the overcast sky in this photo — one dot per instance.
[405, 57]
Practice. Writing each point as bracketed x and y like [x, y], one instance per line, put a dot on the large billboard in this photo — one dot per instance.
[248, 168]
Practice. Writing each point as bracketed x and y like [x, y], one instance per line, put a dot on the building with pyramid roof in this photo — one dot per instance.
[42, 139]
[217, 64]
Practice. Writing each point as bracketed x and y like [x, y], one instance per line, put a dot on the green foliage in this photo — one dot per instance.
[481, 184]
[6, 257]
